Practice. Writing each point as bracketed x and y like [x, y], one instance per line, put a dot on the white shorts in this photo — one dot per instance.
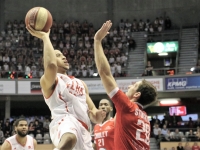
[70, 124]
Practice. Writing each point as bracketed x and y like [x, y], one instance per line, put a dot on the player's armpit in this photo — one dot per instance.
[47, 87]
[6, 146]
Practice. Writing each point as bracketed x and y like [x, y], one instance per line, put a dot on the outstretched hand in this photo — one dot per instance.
[38, 34]
[98, 116]
[103, 31]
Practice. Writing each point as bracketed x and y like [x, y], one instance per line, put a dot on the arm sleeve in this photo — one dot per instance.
[121, 101]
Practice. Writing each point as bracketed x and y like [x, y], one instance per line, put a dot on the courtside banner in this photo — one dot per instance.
[95, 86]
[182, 83]
[29, 87]
[7, 87]
[123, 84]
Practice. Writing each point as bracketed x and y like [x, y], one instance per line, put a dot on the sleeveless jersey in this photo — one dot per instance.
[16, 146]
[104, 135]
[68, 97]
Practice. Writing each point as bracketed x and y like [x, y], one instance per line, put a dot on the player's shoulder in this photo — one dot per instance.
[6, 145]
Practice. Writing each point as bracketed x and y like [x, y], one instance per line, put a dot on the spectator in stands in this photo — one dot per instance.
[164, 130]
[6, 58]
[168, 136]
[84, 72]
[177, 135]
[151, 29]
[198, 135]
[156, 130]
[134, 26]
[165, 148]
[27, 70]
[156, 23]
[159, 138]
[46, 125]
[141, 25]
[1, 59]
[160, 28]
[195, 146]
[38, 127]
[112, 67]
[7, 127]
[123, 59]
[1, 136]
[119, 69]
[91, 72]
[174, 120]
[190, 123]
[168, 23]
[147, 23]
[191, 136]
[31, 128]
[131, 44]
[121, 24]
[187, 146]
[180, 147]
[41, 72]
[173, 148]
[161, 21]
[148, 70]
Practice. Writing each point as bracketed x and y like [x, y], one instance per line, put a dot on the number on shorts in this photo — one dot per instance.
[100, 142]
[145, 130]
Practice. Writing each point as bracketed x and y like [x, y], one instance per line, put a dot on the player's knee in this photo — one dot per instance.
[67, 141]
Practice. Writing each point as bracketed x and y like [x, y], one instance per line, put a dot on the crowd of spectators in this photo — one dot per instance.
[171, 128]
[21, 53]
[187, 146]
[159, 24]
[37, 127]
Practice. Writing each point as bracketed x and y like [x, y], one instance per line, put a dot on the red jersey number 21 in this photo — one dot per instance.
[100, 142]
[145, 130]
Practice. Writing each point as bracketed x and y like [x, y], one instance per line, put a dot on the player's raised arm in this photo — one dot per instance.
[101, 60]
[49, 57]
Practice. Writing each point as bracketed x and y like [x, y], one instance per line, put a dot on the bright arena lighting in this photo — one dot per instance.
[192, 69]
[171, 101]
[95, 74]
[162, 54]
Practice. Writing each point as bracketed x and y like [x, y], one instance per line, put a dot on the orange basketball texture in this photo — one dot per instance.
[39, 18]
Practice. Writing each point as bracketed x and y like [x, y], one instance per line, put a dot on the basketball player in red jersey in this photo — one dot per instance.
[132, 127]
[104, 132]
[68, 100]
[20, 141]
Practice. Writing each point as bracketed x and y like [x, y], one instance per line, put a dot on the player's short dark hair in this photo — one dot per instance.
[110, 102]
[18, 120]
[148, 93]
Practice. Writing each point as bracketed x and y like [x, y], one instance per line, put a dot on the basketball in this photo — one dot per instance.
[39, 18]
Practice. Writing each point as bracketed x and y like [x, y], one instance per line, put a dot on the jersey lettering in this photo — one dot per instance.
[144, 130]
[100, 142]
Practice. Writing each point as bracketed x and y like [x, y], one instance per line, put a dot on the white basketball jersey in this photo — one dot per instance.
[68, 97]
[16, 146]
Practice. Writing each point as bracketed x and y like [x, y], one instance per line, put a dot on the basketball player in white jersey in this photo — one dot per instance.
[20, 141]
[68, 100]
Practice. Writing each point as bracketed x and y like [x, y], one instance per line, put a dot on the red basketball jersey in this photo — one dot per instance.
[104, 135]
[132, 127]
